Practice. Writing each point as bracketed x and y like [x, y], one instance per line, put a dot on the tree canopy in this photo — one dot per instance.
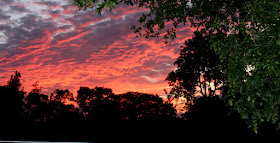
[199, 70]
[101, 102]
[252, 39]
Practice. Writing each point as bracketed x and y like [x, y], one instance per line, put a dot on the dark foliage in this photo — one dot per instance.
[210, 115]
[197, 66]
[11, 107]
[141, 106]
[103, 116]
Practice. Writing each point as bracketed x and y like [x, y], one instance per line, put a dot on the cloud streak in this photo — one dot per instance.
[54, 43]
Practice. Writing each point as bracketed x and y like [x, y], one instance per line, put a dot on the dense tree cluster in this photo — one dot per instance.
[36, 116]
[99, 115]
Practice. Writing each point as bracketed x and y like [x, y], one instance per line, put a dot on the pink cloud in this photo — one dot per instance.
[68, 39]
[83, 49]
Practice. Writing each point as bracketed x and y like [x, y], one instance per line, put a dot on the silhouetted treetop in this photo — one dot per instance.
[15, 80]
[11, 97]
[87, 96]
[35, 96]
[131, 105]
[197, 66]
[36, 104]
[101, 92]
[134, 105]
[61, 96]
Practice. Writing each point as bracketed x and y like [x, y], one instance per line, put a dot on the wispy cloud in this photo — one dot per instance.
[54, 43]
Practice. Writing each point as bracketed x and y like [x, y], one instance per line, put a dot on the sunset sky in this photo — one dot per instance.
[51, 42]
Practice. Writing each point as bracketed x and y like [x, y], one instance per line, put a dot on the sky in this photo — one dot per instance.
[53, 43]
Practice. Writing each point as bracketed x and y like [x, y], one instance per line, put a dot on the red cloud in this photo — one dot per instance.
[68, 39]
[69, 9]
[86, 50]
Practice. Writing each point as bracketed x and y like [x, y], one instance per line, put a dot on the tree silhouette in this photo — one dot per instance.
[37, 104]
[197, 68]
[92, 101]
[63, 115]
[101, 102]
[52, 116]
[12, 96]
[59, 104]
[122, 115]
[11, 106]
[105, 117]
[61, 96]
[142, 106]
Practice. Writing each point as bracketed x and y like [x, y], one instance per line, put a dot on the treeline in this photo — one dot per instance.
[102, 116]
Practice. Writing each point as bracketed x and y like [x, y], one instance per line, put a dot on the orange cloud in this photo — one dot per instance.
[73, 49]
